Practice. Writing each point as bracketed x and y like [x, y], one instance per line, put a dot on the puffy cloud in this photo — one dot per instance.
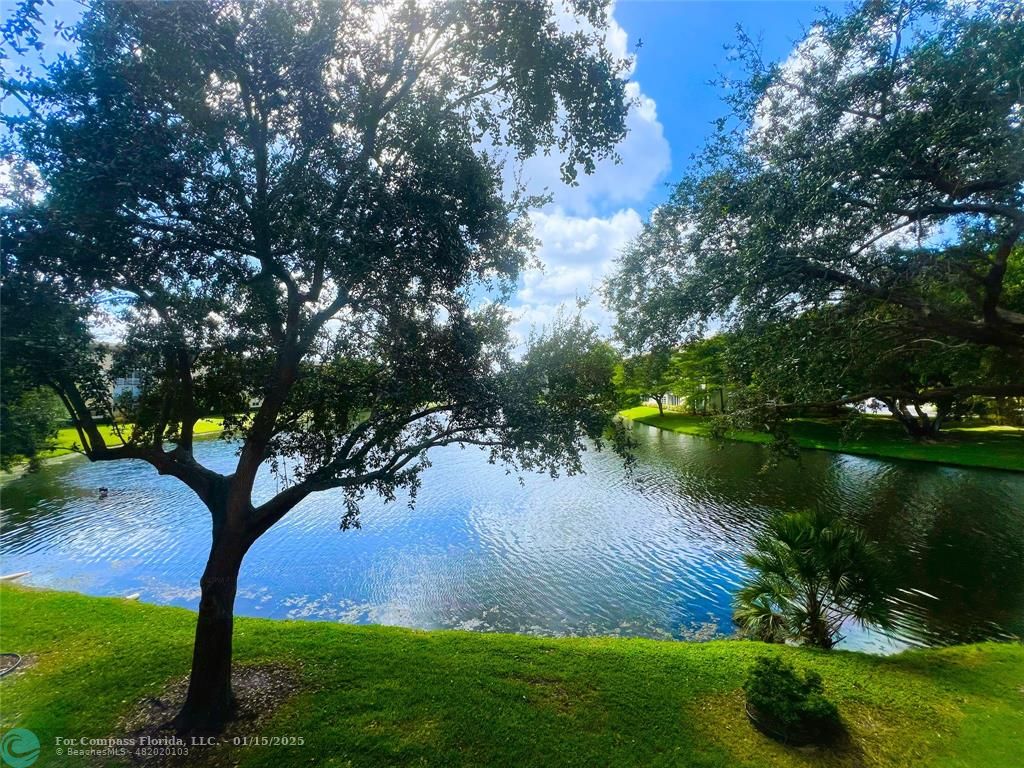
[576, 253]
[644, 159]
[572, 240]
[584, 227]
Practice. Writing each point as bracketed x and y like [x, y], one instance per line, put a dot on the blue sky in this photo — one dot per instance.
[684, 46]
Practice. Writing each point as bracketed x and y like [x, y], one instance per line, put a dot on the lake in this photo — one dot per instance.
[656, 553]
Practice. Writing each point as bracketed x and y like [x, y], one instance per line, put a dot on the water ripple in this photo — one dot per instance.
[656, 553]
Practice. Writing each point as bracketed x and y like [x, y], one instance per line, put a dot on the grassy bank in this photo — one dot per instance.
[377, 696]
[67, 438]
[993, 447]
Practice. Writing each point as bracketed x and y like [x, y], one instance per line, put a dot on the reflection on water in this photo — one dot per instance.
[656, 554]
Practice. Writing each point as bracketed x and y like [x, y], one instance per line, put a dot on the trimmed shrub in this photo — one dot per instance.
[789, 706]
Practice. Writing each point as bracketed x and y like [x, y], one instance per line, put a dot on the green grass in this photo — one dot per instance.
[378, 696]
[67, 438]
[993, 447]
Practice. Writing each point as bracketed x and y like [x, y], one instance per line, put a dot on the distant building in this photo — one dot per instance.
[708, 399]
[130, 384]
[127, 386]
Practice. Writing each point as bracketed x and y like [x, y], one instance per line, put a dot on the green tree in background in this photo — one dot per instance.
[701, 374]
[695, 373]
[651, 376]
[825, 361]
[29, 421]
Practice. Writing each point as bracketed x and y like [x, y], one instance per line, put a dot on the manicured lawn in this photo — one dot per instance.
[68, 437]
[995, 447]
[377, 696]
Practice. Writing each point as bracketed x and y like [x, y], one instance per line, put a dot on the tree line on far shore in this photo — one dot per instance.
[806, 368]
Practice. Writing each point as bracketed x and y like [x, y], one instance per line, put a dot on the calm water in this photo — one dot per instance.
[656, 554]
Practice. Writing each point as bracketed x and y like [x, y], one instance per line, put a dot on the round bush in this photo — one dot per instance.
[789, 706]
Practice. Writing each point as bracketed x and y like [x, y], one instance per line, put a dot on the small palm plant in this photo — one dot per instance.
[811, 573]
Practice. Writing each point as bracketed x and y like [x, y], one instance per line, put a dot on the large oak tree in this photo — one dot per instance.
[879, 171]
[298, 211]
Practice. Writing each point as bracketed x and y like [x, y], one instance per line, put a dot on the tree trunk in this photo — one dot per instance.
[661, 409]
[818, 633]
[918, 427]
[210, 702]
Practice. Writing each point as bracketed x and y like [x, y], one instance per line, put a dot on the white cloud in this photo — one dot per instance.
[644, 161]
[572, 240]
[644, 156]
[584, 227]
[576, 254]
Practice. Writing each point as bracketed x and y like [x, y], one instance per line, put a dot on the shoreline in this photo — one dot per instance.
[975, 443]
[67, 436]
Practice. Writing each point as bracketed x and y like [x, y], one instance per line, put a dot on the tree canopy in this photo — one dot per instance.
[877, 175]
[297, 211]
